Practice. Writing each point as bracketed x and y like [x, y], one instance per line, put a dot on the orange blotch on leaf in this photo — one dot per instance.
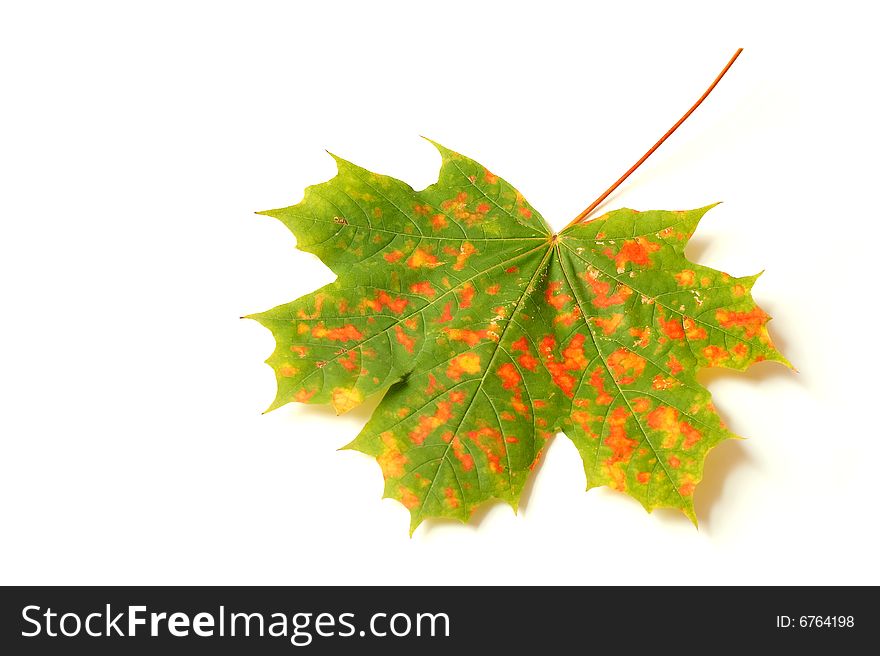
[408, 499]
[715, 355]
[422, 258]
[509, 375]
[469, 337]
[466, 363]
[429, 423]
[350, 361]
[393, 256]
[621, 449]
[672, 328]
[598, 384]
[403, 339]
[687, 487]
[425, 288]
[528, 362]
[391, 460]
[626, 366]
[461, 454]
[691, 435]
[466, 295]
[344, 399]
[287, 370]
[752, 321]
[447, 314]
[347, 333]
[451, 500]
[636, 251]
[664, 383]
[304, 395]
[489, 441]
[643, 477]
[556, 300]
[608, 324]
[674, 366]
[600, 289]
[685, 278]
[691, 330]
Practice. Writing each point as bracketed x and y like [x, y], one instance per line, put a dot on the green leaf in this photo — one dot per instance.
[488, 334]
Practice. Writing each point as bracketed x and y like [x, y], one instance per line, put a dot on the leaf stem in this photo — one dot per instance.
[583, 215]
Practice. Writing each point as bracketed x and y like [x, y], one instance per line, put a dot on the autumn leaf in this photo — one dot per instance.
[488, 334]
[491, 334]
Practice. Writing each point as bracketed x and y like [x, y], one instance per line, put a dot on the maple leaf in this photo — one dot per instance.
[491, 334]
[488, 334]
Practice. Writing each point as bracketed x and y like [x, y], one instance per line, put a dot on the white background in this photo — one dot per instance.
[136, 142]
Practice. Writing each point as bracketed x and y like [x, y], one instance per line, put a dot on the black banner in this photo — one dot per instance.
[427, 620]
